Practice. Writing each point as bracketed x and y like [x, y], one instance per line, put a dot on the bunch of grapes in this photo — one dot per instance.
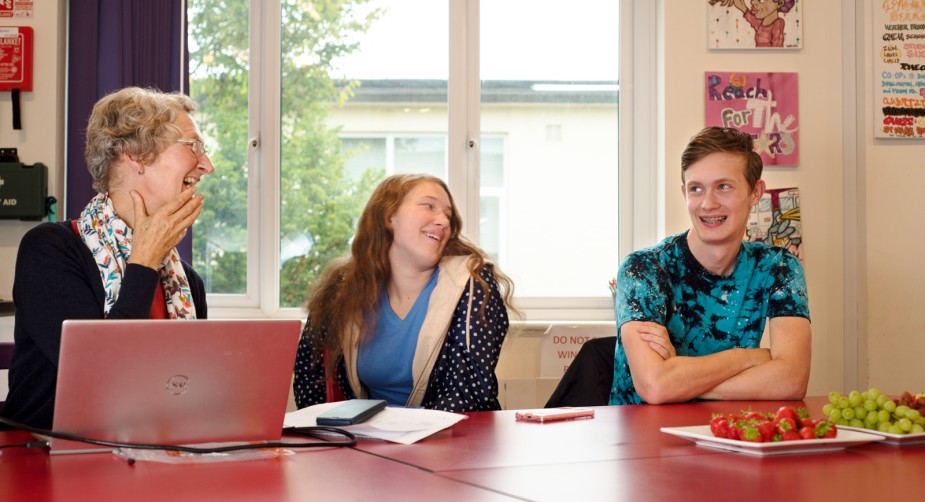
[875, 411]
[916, 402]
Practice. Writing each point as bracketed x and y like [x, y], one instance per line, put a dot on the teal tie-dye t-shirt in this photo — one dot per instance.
[704, 313]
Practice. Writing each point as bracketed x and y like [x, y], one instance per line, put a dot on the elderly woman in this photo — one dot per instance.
[415, 315]
[118, 258]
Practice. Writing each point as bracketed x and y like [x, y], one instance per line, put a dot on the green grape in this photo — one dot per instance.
[854, 398]
[873, 410]
[883, 416]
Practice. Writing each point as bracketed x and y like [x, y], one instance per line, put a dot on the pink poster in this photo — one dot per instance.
[764, 105]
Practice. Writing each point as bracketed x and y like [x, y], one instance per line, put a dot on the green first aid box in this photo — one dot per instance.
[23, 191]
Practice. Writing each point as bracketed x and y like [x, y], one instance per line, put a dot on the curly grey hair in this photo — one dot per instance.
[139, 122]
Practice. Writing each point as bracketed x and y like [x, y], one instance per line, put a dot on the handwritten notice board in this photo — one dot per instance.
[899, 69]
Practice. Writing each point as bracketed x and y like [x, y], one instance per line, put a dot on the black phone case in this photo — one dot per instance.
[351, 412]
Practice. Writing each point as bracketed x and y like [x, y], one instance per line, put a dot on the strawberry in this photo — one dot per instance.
[785, 424]
[766, 429]
[790, 436]
[785, 412]
[719, 426]
[750, 433]
[755, 416]
[825, 429]
[807, 433]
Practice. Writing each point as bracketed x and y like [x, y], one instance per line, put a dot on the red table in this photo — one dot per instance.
[315, 474]
[495, 439]
[619, 455]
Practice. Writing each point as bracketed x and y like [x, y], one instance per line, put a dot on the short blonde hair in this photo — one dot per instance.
[139, 122]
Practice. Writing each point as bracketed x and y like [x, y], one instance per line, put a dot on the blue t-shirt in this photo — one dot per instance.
[704, 313]
[384, 359]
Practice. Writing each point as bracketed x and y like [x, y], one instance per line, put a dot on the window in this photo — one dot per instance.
[307, 105]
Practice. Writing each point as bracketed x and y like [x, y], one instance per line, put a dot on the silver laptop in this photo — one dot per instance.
[173, 382]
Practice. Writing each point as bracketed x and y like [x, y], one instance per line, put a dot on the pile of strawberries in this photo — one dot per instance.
[785, 424]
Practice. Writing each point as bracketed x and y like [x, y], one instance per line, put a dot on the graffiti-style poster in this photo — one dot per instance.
[775, 221]
[899, 70]
[762, 104]
[751, 24]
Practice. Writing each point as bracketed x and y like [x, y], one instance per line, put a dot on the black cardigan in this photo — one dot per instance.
[57, 279]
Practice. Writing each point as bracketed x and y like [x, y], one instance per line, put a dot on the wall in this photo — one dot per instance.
[895, 275]
[41, 138]
[819, 175]
[890, 176]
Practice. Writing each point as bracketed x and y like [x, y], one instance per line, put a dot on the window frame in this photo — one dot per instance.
[640, 202]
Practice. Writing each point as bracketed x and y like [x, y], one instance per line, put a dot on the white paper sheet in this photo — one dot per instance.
[398, 425]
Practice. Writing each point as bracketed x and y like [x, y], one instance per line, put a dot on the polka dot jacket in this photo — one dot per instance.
[454, 367]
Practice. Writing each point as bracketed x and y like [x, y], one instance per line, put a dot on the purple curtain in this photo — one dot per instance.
[114, 44]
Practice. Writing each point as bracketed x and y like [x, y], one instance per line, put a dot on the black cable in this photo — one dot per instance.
[317, 432]
[30, 444]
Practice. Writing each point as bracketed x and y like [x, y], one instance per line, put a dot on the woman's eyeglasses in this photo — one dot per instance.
[197, 146]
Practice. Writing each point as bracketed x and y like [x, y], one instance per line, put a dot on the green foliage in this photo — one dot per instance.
[317, 197]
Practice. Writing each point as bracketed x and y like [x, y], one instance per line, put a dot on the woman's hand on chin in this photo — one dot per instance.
[154, 235]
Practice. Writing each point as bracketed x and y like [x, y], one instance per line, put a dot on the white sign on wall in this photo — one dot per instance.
[563, 341]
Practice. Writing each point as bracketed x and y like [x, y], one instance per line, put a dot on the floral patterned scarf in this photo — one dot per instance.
[110, 242]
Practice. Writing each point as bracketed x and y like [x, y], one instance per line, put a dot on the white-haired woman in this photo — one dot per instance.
[118, 258]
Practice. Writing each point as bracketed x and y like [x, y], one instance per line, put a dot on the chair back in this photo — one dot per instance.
[6, 356]
[588, 380]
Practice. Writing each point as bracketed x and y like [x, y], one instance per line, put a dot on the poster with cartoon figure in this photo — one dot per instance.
[762, 104]
[775, 220]
[750, 24]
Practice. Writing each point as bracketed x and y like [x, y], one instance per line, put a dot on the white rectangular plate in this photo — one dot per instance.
[701, 435]
[890, 439]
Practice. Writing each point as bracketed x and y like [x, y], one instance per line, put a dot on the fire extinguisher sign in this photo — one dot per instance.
[16, 8]
[15, 58]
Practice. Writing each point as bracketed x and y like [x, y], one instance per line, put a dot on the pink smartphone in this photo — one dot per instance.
[553, 414]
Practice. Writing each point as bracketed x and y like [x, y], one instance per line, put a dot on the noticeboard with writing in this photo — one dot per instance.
[899, 69]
